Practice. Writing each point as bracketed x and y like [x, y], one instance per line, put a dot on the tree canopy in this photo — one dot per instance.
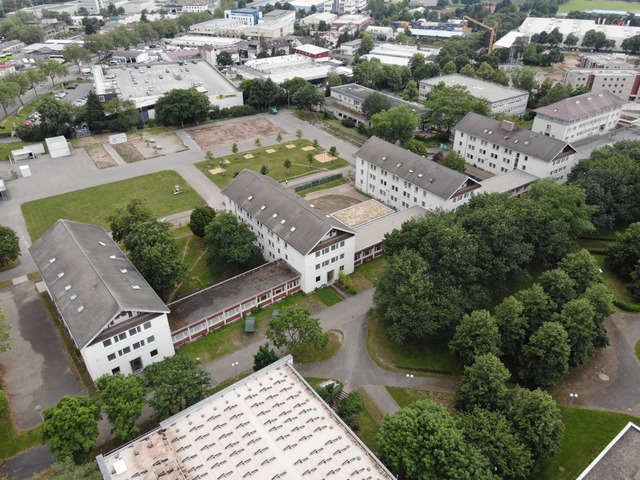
[398, 124]
[231, 242]
[307, 97]
[122, 398]
[177, 382]
[201, 216]
[374, 103]
[182, 105]
[446, 106]
[71, 427]
[294, 327]
[9, 245]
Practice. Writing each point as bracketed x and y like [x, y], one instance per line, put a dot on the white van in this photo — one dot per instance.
[86, 70]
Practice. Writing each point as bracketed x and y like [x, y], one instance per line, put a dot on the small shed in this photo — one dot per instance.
[250, 324]
[58, 147]
[22, 154]
[3, 189]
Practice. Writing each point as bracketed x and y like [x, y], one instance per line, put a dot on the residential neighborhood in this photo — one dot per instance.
[319, 239]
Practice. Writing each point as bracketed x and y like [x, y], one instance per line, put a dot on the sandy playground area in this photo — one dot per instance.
[237, 131]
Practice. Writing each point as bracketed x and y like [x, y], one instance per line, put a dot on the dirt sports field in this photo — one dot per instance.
[238, 131]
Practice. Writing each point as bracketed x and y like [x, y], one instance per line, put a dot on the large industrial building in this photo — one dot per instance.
[624, 84]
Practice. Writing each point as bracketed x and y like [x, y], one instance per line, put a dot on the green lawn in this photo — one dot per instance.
[327, 296]
[582, 5]
[637, 349]
[323, 186]
[586, 433]
[428, 356]
[7, 148]
[406, 396]
[613, 281]
[11, 442]
[373, 270]
[370, 420]
[93, 205]
[313, 355]
[17, 118]
[274, 162]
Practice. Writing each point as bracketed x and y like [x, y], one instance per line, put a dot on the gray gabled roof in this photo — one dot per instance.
[518, 139]
[581, 106]
[287, 214]
[437, 179]
[90, 279]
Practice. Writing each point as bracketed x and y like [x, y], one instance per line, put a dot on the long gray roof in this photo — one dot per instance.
[360, 92]
[490, 91]
[284, 212]
[519, 139]
[437, 179]
[90, 279]
[581, 106]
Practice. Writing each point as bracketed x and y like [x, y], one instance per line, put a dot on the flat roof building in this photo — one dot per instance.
[603, 61]
[313, 20]
[619, 460]
[624, 84]
[271, 424]
[394, 54]
[502, 99]
[286, 67]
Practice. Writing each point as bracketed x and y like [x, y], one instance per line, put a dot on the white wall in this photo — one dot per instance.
[96, 356]
[573, 131]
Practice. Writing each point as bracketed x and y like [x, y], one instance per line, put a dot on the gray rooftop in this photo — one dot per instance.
[90, 279]
[581, 106]
[619, 460]
[359, 92]
[229, 293]
[492, 92]
[284, 212]
[437, 179]
[373, 232]
[508, 181]
[519, 139]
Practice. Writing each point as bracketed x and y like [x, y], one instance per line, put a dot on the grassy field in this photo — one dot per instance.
[7, 148]
[587, 432]
[10, 441]
[613, 281]
[273, 161]
[406, 396]
[323, 186]
[93, 205]
[427, 356]
[370, 420]
[328, 296]
[582, 5]
[313, 355]
[21, 116]
[372, 270]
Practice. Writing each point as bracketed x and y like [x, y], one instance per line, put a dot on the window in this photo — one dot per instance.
[317, 279]
[154, 353]
[135, 330]
[147, 325]
[115, 370]
[122, 336]
[138, 345]
[111, 357]
[107, 342]
[151, 339]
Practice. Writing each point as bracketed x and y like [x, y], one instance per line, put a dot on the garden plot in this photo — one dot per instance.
[238, 131]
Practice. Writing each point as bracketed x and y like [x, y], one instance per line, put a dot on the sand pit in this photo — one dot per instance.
[324, 158]
[270, 150]
[306, 149]
[100, 156]
[248, 156]
[290, 146]
[216, 171]
[236, 131]
[362, 213]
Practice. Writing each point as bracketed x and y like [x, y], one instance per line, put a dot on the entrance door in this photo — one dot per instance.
[330, 276]
[136, 365]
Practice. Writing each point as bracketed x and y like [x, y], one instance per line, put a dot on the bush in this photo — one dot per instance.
[347, 283]
[347, 122]
[363, 129]
[242, 111]
[627, 307]
[30, 133]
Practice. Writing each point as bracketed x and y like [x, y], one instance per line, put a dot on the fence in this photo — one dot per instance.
[318, 181]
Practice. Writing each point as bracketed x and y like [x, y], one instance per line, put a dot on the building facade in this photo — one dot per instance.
[116, 320]
[579, 117]
[287, 227]
[511, 101]
[348, 7]
[624, 84]
[92, 6]
[401, 179]
[500, 147]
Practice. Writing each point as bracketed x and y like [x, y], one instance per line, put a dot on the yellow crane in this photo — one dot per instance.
[492, 30]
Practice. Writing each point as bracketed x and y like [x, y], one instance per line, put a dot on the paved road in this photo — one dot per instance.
[27, 464]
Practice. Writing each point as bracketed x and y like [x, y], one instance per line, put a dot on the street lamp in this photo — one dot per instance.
[573, 397]
[235, 366]
[409, 375]
[38, 408]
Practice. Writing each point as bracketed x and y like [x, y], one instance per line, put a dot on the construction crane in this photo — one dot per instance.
[492, 30]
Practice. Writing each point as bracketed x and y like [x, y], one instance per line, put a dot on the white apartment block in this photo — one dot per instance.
[114, 317]
[509, 100]
[624, 84]
[402, 179]
[579, 117]
[92, 6]
[288, 227]
[500, 147]
[348, 7]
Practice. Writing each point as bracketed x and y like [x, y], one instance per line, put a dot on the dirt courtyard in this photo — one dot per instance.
[228, 133]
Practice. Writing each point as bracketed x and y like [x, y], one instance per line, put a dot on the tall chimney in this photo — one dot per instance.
[508, 126]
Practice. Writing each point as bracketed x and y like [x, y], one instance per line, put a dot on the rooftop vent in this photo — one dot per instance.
[431, 180]
[399, 165]
[293, 229]
[263, 207]
[67, 288]
[103, 244]
[123, 270]
[577, 101]
[526, 142]
[250, 197]
[490, 132]
[112, 257]
[80, 308]
[74, 296]
[410, 171]
[61, 274]
[588, 98]
[420, 175]
[384, 158]
[135, 287]
[283, 221]
[312, 205]
[274, 215]
[516, 141]
[507, 125]
[51, 260]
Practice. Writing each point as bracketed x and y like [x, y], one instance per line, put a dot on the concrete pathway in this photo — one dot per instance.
[114, 154]
[188, 141]
[382, 399]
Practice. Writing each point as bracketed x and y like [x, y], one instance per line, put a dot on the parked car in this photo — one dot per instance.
[72, 86]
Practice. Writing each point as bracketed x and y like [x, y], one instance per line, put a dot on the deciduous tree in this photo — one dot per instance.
[545, 359]
[578, 319]
[177, 383]
[77, 54]
[182, 105]
[398, 124]
[53, 69]
[454, 161]
[71, 427]
[582, 269]
[559, 286]
[374, 103]
[482, 384]
[9, 94]
[124, 219]
[307, 97]
[476, 335]
[410, 444]
[512, 325]
[264, 357]
[410, 92]
[5, 329]
[231, 242]
[122, 398]
[446, 106]
[201, 216]
[294, 327]
[68, 470]
[623, 256]
[9, 245]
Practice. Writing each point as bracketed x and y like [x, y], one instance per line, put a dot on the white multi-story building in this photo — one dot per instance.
[345, 6]
[509, 100]
[92, 6]
[624, 84]
[288, 227]
[579, 117]
[114, 317]
[500, 147]
[402, 179]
